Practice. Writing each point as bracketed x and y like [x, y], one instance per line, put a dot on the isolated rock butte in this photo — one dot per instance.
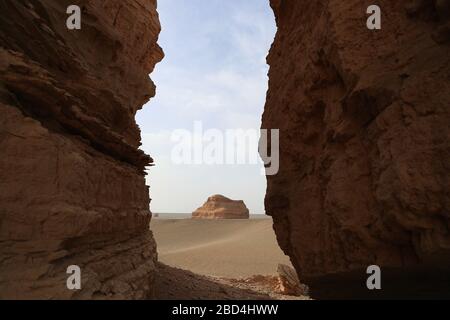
[364, 117]
[220, 207]
[72, 187]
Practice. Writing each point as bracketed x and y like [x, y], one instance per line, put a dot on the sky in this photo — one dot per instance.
[214, 73]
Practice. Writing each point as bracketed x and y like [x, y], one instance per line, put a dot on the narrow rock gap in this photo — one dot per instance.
[212, 76]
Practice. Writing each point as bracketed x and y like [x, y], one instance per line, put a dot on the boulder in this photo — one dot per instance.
[288, 282]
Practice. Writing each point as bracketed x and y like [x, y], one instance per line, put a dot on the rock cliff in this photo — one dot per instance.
[364, 117]
[220, 207]
[72, 188]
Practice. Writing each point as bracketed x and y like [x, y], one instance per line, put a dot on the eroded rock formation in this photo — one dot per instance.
[364, 117]
[220, 207]
[72, 189]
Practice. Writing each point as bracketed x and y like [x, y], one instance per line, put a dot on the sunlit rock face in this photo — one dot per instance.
[220, 207]
[364, 118]
[72, 189]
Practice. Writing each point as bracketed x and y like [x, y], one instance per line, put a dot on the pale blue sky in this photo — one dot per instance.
[215, 72]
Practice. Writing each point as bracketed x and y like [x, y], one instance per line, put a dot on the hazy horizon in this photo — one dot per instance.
[215, 72]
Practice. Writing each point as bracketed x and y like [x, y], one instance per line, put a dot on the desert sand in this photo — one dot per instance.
[221, 248]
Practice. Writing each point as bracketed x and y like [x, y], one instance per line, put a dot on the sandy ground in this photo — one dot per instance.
[221, 248]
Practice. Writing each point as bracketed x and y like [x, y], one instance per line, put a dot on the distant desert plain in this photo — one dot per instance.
[222, 248]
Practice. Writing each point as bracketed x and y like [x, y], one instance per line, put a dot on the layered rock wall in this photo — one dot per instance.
[364, 116]
[72, 188]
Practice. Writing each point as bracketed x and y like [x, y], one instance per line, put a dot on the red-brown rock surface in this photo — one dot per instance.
[72, 188]
[365, 151]
[220, 207]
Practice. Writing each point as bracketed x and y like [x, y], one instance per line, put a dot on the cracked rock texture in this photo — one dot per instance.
[364, 117]
[72, 188]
